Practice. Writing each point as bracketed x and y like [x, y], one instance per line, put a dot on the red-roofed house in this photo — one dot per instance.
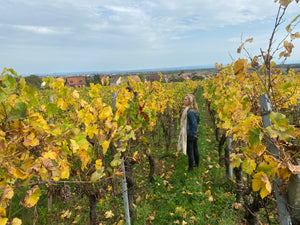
[184, 76]
[154, 78]
[75, 82]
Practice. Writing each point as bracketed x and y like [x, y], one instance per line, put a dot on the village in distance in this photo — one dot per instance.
[82, 79]
[114, 78]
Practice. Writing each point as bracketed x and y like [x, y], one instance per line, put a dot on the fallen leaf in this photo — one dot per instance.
[237, 205]
[66, 214]
[208, 192]
[108, 214]
[16, 221]
[151, 217]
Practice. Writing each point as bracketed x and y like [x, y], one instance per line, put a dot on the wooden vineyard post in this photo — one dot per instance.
[284, 215]
[298, 113]
[124, 184]
[227, 159]
[293, 197]
[293, 189]
[50, 188]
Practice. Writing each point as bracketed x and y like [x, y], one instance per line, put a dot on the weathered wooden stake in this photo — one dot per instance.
[124, 184]
[229, 169]
[284, 215]
[50, 193]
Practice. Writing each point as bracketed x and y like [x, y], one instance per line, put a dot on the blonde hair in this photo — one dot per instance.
[193, 104]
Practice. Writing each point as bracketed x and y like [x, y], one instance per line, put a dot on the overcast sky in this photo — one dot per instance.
[53, 36]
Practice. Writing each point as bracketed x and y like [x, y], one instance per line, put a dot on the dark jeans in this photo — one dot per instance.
[192, 152]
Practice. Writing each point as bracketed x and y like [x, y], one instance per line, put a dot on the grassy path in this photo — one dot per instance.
[203, 196]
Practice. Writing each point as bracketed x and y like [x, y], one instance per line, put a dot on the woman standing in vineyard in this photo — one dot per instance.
[188, 136]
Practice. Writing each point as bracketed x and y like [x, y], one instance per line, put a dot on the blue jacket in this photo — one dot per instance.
[192, 123]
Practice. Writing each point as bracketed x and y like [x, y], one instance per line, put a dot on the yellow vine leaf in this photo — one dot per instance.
[271, 160]
[74, 146]
[117, 160]
[31, 197]
[22, 83]
[38, 121]
[235, 160]
[249, 166]
[94, 90]
[64, 168]
[59, 83]
[283, 172]
[267, 186]
[62, 104]
[105, 113]
[256, 181]
[51, 155]
[259, 150]
[20, 174]
[261, 182]
[91, 131]
[136, 157]
[84, 157]
[27, 164]
[2, 212]
[30, 140]
[3, 221]
[105, 146]
[98, 164]
[97, 175]
[7, 194]
[43, 173]
[108, 125]
[268, 168]
[75, 94]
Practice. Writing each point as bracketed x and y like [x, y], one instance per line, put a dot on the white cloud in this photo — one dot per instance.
[36, 29]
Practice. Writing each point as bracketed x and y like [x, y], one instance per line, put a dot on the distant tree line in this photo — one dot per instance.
[34, 81]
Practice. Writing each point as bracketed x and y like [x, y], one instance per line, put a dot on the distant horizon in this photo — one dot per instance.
[123, 71]
[137, 70]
